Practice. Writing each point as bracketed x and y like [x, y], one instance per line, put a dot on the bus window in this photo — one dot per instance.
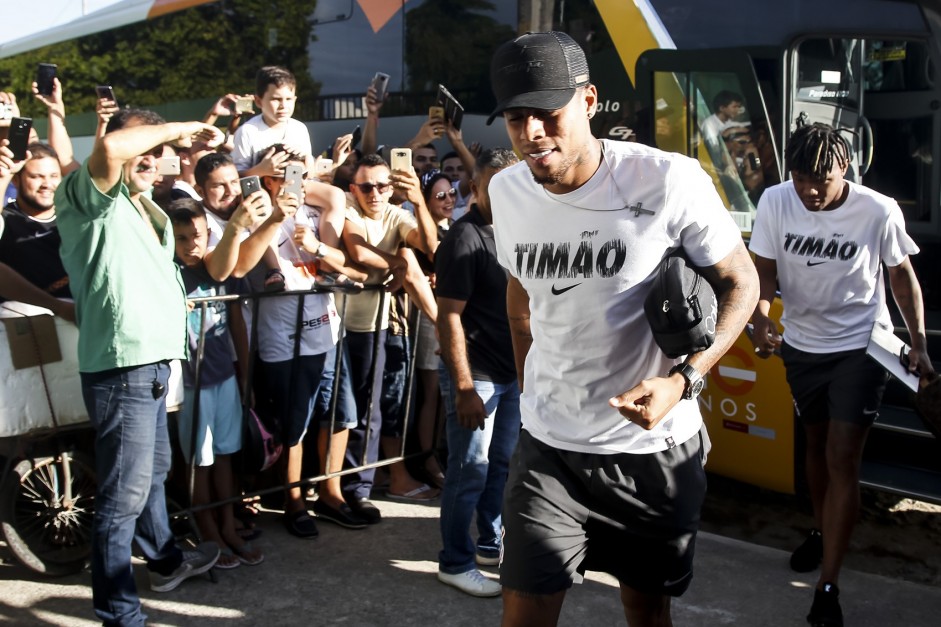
[829, 72]
[900, 103]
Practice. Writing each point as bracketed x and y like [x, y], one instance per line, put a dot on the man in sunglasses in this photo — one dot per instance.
[373, 234]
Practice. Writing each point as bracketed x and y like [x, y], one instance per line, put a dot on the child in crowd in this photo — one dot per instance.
[219, 430]
[265, 143]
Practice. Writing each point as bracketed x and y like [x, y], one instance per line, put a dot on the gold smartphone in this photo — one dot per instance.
[435, 111]
[401, 159]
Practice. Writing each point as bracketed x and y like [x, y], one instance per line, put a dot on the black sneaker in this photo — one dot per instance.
[807, 556]
[826, 612]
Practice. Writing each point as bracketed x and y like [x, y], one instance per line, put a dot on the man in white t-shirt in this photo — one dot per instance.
[822, 241]
[608, 420]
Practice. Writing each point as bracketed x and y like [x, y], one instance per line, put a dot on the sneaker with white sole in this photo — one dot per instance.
[472, 582]
[487, 560]
[195, 562]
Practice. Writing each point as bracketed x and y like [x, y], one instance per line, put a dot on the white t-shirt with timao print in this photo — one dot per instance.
[587, 260]
[830, 264]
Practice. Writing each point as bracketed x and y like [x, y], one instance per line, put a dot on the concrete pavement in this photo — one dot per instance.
[385, 576]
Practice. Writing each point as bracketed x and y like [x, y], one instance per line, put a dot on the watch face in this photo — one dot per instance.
[696, 388]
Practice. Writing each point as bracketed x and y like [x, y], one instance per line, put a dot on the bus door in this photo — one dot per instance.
[710, 105]
[825, 84]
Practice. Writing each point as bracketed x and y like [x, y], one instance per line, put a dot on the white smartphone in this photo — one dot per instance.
[323, 166]
[294, 180]
[401, 159]
[168, 166]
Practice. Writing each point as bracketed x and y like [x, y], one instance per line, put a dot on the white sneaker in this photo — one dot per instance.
[195, 562]
[485, 560]
[472, 582]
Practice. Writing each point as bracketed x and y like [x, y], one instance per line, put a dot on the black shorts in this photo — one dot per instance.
[632, 516]
[846, 386]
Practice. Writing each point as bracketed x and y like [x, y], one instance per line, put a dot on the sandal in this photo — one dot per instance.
[247, 555]
[227, 560]
[274, 280]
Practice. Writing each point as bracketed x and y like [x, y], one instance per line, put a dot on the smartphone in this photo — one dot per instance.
[380, 83]
[435, 111]
[294, 180]
[244, 104]
[453, 111]
[402, 159]
[45, 78]
[105, 93]
[357, 137]
[19, 137]
[168, 166]
[323, 166]
[249, 185]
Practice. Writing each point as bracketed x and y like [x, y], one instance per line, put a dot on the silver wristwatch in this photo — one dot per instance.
[694, 380]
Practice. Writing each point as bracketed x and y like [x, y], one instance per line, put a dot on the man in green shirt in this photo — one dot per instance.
[117, 247]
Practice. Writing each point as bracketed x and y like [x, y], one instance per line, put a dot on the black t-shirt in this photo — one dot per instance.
[467, 270]
[31, 247]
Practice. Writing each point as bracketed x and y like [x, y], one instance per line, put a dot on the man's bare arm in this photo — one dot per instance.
[735, 282]
[517, 310]
[907, 294]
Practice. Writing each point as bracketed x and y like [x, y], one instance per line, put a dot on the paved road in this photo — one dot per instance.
[385, 576]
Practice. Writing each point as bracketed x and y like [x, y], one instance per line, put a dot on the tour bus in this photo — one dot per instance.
[661, 67]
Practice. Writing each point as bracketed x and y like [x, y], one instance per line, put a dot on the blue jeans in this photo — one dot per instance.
[132, 458]
[366, 377]
[478, 464]
[394, 376]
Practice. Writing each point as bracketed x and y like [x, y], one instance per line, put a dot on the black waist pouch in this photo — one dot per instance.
[681, 308]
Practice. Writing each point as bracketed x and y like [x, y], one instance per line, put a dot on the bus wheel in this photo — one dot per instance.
[46, 518]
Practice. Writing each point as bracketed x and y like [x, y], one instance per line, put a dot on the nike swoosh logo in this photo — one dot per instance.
[811, 264]
[563, 290]
[34, 236]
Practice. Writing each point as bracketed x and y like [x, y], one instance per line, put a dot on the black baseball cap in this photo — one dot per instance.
[537, 71]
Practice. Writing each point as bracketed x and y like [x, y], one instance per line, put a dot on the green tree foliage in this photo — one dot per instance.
[451, 42]
[203, 52]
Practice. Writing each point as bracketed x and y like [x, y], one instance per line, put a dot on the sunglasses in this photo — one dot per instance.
[367, 188]
[442, 195]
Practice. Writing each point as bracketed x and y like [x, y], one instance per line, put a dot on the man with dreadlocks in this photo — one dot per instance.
[822, 240]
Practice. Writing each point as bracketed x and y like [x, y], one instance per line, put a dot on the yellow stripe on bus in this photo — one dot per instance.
[629, 29]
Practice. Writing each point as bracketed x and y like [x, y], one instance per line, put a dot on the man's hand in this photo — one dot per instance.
[285, 206]
[454, 135]
[342, 147]
[192, 132]
[304, 238]
[918, 361]
[250, 210]
[105, 108]
[765, 337]
[9, 167]
[225, 106]
[648, 402]
[409, 183]
[431, 129]
[53, 101]
[373, 105]
[471, 413]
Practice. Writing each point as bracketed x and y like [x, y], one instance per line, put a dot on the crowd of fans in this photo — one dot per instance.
[311, 223]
